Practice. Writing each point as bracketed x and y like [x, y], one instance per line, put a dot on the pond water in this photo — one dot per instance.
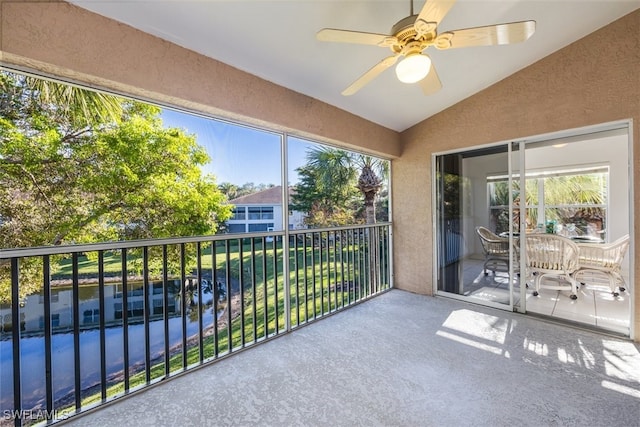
[32, 348]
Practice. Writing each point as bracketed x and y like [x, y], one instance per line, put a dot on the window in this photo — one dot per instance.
[236, 228]
[55, 297]
[267, 212]
[135, 308]
[157, 306]
[261, 212]
[91, 316]
[55, 320]
[239, 213]
[569, 202]
[117, 310]
[261, 227]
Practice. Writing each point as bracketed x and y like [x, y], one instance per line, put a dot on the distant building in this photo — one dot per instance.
[32, 311]
[262, 211]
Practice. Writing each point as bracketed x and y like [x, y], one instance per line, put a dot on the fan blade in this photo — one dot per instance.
[431, 83]
[370, 75]
[431, 14]
[490, 35]
[346, 36]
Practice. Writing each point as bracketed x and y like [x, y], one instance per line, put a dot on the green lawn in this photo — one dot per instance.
[313, 292]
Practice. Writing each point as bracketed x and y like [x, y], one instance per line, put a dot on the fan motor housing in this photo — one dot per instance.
[404, 30]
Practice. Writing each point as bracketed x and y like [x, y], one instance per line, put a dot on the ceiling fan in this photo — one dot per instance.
[412, 35]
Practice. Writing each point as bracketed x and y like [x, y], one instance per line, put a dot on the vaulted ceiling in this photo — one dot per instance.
[276, 40]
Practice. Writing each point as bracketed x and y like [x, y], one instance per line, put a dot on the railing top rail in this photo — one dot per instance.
[344, 227]
[127, 244]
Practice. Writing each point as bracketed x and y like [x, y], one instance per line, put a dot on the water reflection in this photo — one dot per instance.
[32, 348]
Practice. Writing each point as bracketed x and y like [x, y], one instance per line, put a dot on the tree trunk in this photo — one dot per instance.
[370, 207]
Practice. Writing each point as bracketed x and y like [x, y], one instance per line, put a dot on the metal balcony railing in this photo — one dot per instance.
[82, 325]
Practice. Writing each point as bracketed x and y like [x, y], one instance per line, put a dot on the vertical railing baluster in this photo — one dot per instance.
[334, 246]
[380, 258]
[15, 336]
[305, 279]
[165, 310]
[265, 289]
[328, 272]
[241, 284]
[354, 271]
[349, 235]
[384, 255]
[365, 269]
[359, 262]
[183, 303]
[297, 276]
[275, 283]
[368, 255]
[313, 274]
[321, 270]
[125, 320]
[216, 296]
[388, 260]
[372, 260]
[364, 283]
[46, 276]
[253, 290]
[103, 337]
[376, 257]
[354, 263]
[229, 290]
[342, 279]
[200, 305]
[76, 332]
[147, 307]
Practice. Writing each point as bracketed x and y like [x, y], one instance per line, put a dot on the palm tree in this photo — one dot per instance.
[228, 189]
[574, 197]
[339, 168]
[91, 105]
[372, 172]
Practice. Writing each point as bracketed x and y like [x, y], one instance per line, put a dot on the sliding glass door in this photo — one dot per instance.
[575, 184]
[577, 187]
[477, 224]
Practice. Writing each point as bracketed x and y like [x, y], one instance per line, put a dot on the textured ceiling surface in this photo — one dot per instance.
[276, 40]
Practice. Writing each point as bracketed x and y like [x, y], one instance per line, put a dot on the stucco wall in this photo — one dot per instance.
[594, 80]
[66, 41]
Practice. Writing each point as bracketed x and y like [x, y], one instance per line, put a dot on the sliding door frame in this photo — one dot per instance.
[574, 133]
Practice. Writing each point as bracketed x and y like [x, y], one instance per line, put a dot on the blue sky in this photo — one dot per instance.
[240, 154]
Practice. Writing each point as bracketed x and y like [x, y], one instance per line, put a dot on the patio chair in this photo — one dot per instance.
[495, 249]
[552, 256]
[604, 260]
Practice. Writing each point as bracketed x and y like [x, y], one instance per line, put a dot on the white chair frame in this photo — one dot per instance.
[551, 255]
[496, 251]
[604, 260]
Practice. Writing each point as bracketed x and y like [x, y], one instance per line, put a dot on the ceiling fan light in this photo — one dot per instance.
[413, 68]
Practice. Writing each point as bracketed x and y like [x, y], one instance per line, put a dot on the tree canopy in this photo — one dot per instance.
[232, 191]
[71, 176]
[334, 183]
[77, 166]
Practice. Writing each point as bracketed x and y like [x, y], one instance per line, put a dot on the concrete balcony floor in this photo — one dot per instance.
[402, 359]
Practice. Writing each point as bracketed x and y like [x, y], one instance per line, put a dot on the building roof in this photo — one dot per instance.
[270, 196]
